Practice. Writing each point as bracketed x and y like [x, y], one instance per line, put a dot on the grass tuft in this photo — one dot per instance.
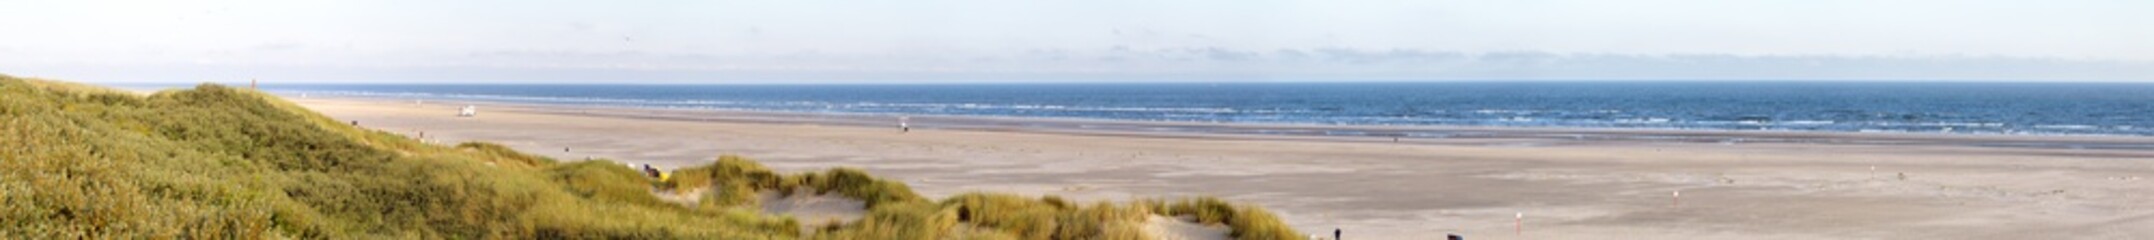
[496, 153]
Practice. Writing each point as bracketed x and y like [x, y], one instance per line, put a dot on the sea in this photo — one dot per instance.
[1917, 107]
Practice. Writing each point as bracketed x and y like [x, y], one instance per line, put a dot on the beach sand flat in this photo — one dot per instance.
[1567, 183]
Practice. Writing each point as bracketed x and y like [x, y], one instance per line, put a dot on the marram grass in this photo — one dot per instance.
[80, 161]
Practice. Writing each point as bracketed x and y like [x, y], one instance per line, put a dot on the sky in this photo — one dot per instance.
[934, 41]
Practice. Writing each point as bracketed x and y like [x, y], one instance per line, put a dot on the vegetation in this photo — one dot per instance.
[217, 162]
[495, 153]
[1247, 222]
[740, 180]
[895, 213]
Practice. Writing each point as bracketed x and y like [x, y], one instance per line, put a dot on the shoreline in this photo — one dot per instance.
[1296, 131]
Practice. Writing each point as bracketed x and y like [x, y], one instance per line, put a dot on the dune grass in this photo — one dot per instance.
[895, 212]
[1247, 222]
[738, 181]
[215, 162]
[1047, 217]
[218, 162]
[495, 153]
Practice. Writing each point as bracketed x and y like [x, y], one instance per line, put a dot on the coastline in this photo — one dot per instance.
[1570, 185]
[1321, 132]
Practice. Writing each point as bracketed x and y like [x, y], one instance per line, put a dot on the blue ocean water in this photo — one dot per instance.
[1977, 108]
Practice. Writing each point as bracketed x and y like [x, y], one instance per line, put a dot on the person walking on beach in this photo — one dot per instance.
[903, 126]
[1335, 233]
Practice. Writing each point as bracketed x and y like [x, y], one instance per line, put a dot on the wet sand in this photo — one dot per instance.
[1568, 183]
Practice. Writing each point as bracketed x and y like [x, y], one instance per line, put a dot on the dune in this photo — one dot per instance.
[217, 162]
[804, 206]
[813, 209]
[676, 196]
[1182, 228]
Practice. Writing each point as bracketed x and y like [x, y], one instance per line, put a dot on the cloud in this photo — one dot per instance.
[1117, 63]
[1124, 63]
[1357, 56]
[1217, 54]
[277, 46]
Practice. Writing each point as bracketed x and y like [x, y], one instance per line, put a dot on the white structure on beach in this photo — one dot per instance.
[468, 111]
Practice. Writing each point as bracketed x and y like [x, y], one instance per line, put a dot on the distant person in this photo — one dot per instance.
[903, 125]
[1335, 233]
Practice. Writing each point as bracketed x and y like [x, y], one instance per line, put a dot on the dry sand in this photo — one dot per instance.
[805, 206]
[1566, 187]
[1170, 228]
[814, 210]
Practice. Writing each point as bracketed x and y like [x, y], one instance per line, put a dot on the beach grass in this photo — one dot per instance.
[495, 153]
[740, 180]
[1246, 221]
[84, 161]
[895, 211]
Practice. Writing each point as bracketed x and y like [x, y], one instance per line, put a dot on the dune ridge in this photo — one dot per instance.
[223, 162]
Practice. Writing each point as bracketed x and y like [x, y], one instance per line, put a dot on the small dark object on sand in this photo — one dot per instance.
[1454, 237]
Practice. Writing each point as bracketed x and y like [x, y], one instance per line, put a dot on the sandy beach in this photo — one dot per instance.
[1566, 183]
